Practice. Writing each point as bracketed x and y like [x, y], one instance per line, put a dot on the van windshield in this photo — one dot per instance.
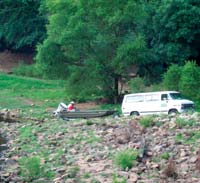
[176, 96]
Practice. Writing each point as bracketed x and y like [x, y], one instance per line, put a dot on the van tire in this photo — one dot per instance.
[173, 112]
[134, 113]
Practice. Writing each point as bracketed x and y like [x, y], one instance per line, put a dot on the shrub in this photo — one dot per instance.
[137, 85]
[31, 169]
[27, 70]
[117, 179]
[172, 77]
[147, 121]
[180, 122]
[190, 80]
[88, 122]
[126, 159]
[165, 156]
[73, 172]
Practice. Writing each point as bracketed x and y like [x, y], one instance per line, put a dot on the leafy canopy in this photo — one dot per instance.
[99, 39]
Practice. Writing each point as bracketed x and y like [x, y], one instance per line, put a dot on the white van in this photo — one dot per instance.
[166, 102]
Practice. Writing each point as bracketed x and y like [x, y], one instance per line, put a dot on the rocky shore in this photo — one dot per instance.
[84, 150]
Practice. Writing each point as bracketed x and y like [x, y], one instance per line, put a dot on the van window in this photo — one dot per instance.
[135, 98]
[152, 97]
[164, 97]
[176, 96]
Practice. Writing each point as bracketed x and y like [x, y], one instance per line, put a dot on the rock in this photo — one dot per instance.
[149, 153]
[61, 169]
[183, 153]
[155, 165]
[123, 174]
[133, 178]
[193, 159]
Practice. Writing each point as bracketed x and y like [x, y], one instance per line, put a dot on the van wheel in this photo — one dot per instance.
[173, 112]
[134, 113]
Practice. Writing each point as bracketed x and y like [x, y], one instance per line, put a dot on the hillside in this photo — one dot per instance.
[10, 60]
[85, 150]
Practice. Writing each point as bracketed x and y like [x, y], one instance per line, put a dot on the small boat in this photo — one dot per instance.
[86, 113]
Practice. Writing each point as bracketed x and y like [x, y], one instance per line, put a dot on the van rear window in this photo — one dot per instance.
[135, 98]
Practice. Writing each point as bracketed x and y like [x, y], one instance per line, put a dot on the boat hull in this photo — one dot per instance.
[86, 113]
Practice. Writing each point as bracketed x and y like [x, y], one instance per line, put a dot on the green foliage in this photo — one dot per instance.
[22, 24]
[191, 138]
[31, 169]
[180, 122]
[73, 172]
[179, 138]
[190, 81]
[82, 88]
[26, 133]
[99, 44]
[21, 92]
[89, 122]
[183, 78]
[28, 70]
[137, 85]
[147, 121]
[171, 78]
[165, 155]
[126, 158]
[175, 30]
[51, 60]
[117, 179]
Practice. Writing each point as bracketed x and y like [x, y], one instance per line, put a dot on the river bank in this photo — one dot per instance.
[85, 150]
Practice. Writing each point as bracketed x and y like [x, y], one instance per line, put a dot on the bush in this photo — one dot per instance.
[180, 122]
[51, 60]
[137, 85]
[172, 77]
[27, 70]
[165, 156]
[126, 159]
[190, 81]
[118, 179]
[147, 121]
[31, 169]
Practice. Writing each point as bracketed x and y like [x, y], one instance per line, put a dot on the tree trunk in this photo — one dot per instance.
[116, 89]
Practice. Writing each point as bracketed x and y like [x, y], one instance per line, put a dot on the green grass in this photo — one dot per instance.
[183, 122]
[22, 92]
[126, 158]
[147, 121]
[31, 169]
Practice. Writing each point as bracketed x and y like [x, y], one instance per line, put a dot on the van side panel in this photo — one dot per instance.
[133, 103]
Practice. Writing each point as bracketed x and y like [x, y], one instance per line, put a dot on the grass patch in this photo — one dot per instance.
[31, 169]
[30, 94]
[180, 122]
[165, 155]
[126, 159]
[118, 179]
[147, 121]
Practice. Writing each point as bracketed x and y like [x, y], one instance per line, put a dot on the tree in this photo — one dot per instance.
[100, 40]
[22, 24]
[171, 78]
[189, 83]
[176, 27]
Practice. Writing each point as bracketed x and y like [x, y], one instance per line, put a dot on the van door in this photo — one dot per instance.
[164, 103]
[152, 104]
